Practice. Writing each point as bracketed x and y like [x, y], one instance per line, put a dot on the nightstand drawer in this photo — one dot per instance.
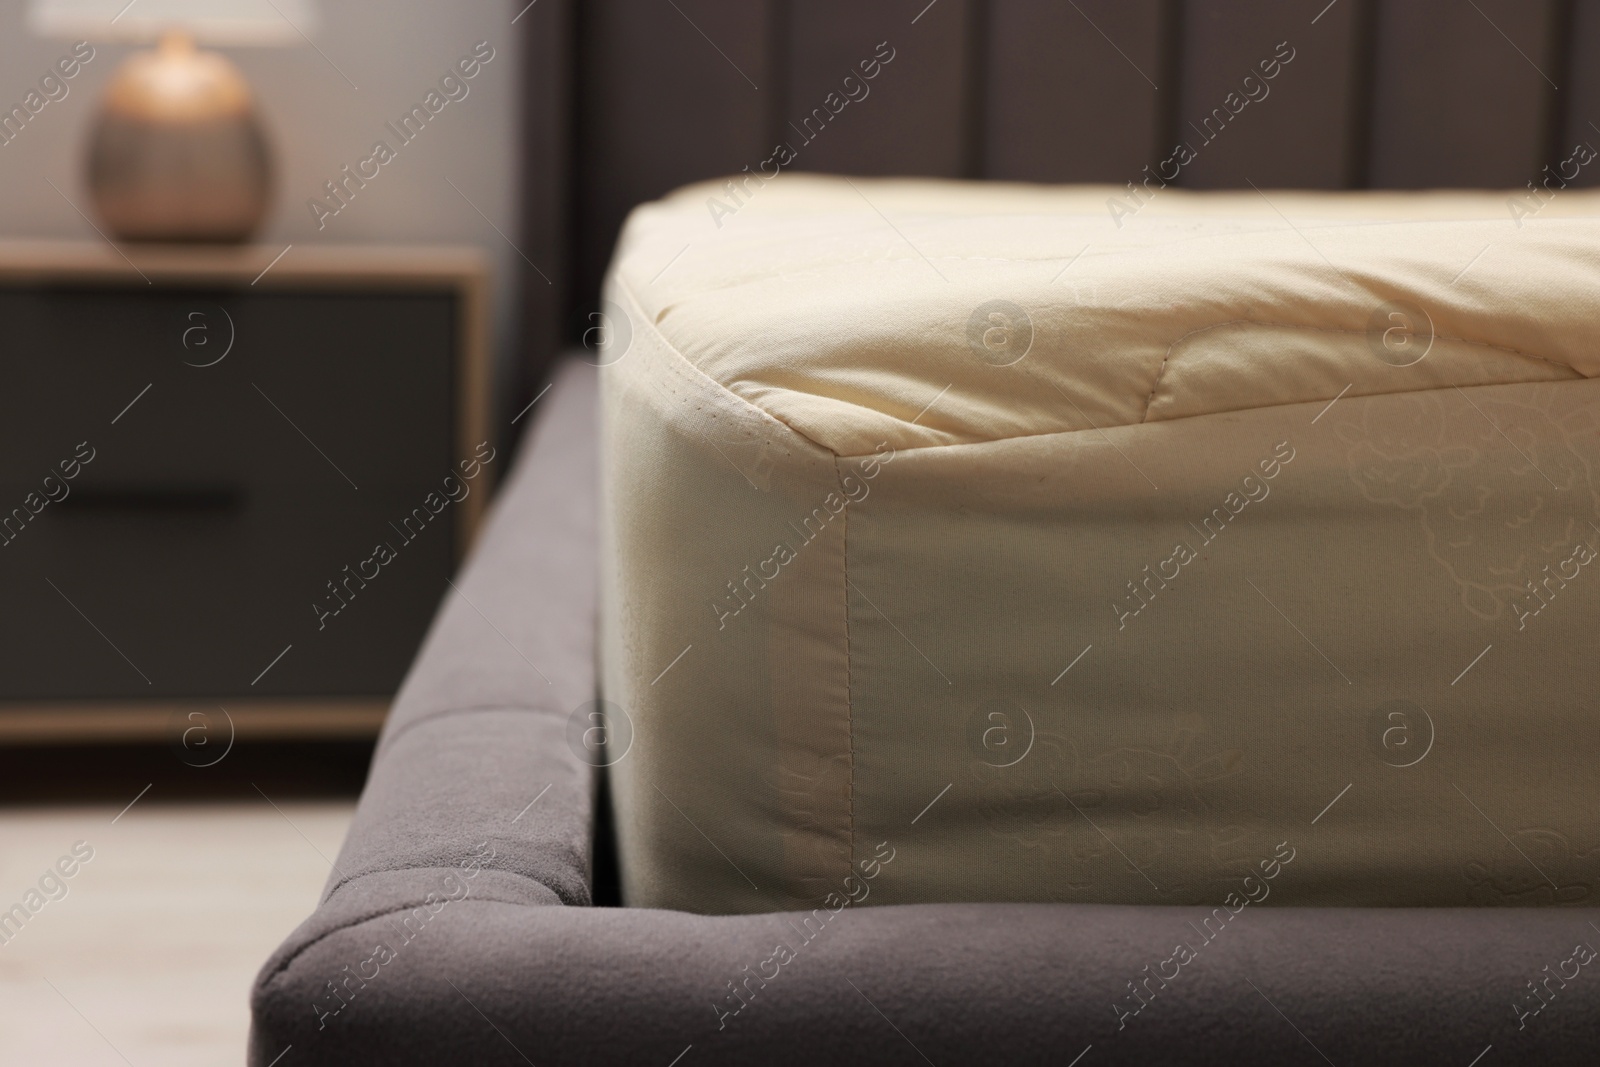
[194, 480]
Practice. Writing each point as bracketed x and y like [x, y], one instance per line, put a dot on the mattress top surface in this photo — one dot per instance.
[922, 313]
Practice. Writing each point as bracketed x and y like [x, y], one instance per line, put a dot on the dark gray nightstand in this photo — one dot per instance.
[269, 465]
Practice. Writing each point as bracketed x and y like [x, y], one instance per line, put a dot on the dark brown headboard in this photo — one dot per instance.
[627, 99]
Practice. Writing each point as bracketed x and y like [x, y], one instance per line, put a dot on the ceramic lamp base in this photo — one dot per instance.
[178, 153]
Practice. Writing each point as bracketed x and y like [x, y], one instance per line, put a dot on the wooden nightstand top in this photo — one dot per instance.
[256, 264]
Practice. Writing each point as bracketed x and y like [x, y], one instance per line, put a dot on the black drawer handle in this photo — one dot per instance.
[168, 499]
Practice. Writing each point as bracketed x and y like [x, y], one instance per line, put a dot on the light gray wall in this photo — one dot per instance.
[394, 52]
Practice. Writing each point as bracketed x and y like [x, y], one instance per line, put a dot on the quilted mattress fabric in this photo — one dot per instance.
[979, 543]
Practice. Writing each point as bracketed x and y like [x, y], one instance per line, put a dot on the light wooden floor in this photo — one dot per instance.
[151, 952]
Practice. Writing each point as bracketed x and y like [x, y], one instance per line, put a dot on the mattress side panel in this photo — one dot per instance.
[1147, 665]
[724, 652]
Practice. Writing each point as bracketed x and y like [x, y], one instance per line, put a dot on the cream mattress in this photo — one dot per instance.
[964, 544]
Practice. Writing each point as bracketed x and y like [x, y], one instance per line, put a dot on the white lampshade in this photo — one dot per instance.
[217, 22]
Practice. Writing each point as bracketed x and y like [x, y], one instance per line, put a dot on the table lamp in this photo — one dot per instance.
[177, 152]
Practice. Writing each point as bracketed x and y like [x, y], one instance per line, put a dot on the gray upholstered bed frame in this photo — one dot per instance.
[458, 926]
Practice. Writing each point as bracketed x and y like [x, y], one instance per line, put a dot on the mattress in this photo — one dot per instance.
[975, 542]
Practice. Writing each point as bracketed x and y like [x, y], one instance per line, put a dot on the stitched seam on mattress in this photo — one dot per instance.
[1162, 369]
[849, 690]
[633, 298]
[1149, 400]
[1200, 415]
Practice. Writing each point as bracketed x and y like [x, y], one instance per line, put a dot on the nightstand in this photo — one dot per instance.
[234, 482]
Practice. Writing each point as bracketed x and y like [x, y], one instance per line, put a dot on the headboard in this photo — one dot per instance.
[627, 99]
